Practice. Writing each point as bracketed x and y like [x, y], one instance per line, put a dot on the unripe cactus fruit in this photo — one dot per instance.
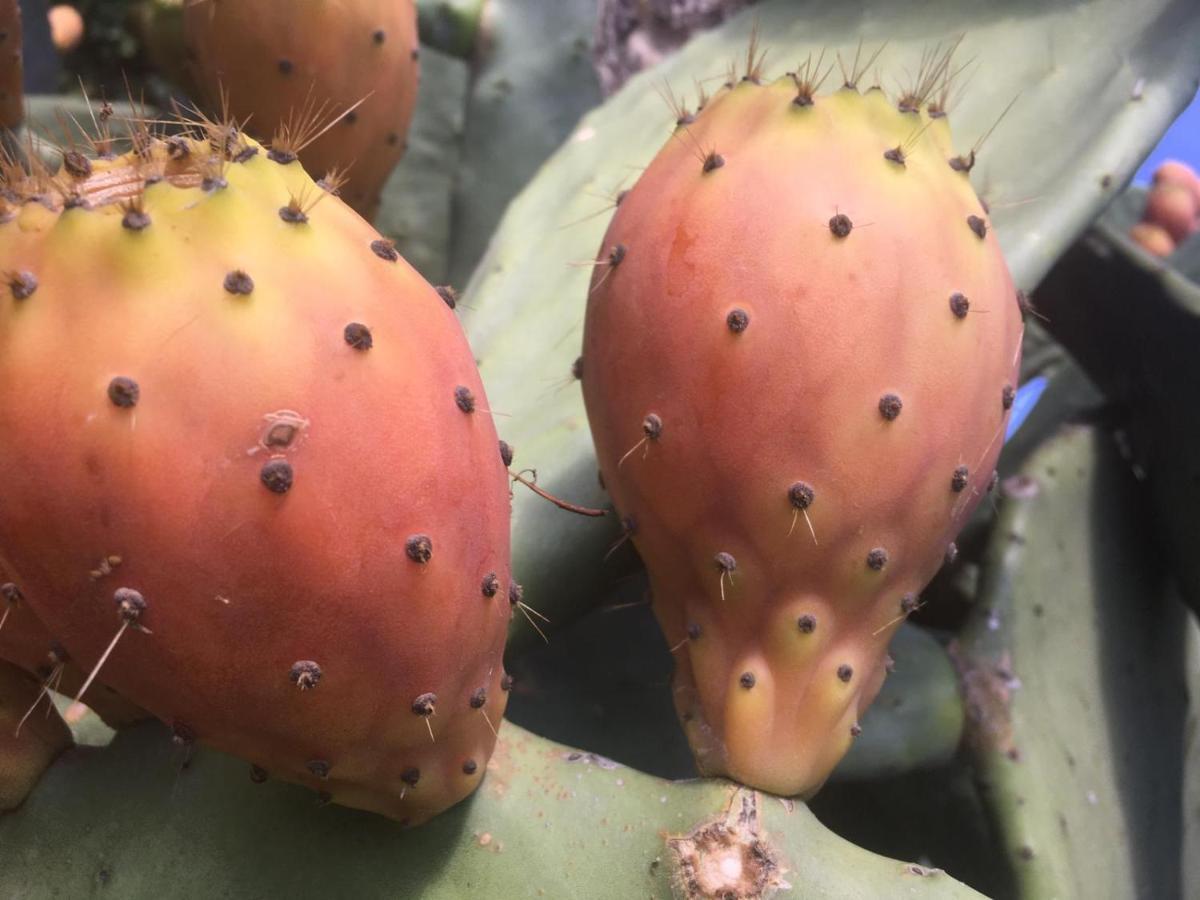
[800, 350]
[256, 408]
[268, 61]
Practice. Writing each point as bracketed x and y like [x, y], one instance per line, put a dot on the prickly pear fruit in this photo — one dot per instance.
[277, 425]
[270, 61]
[1153, 238]
[1174, 208]
[12, 97]
[800, 350]
[28, 743]
[25, 643]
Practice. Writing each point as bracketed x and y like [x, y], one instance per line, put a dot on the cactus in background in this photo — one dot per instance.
[280, 66]
[795, 413]
[1133, 322]
[1073, 658]
[12, 95]
[276, 425]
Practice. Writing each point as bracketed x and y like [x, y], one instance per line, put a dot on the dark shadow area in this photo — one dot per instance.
[935, 818]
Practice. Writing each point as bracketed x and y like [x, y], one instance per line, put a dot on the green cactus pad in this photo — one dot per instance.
[1071, 669]
[534, 79]
[547, 822]
[1133, 322]
[1046, 171]
[415, 208]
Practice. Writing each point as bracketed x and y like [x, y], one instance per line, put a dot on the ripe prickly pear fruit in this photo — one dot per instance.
[12, 96]
[277, 425]
[1153, 238]
[1174, 208]
[800, 350]
[280, 63]
[28, 743]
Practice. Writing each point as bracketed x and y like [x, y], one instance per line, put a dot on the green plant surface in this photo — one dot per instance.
[547, 821]
[415, 208]
[533, 80]
[1191, 767]
[1047, 170]
[1072, 670]
[450, 25]
[1133, 323]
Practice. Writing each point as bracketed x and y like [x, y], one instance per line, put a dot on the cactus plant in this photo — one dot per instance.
[557, 222]
[1075, 655]
[164, 812]
[552, 821]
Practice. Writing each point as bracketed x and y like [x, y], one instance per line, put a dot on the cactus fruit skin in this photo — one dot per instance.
[43, 736]
[26, 644]
[797, 412]
[1172, 211]
[12, 95]
[279, 428]
[275, 57]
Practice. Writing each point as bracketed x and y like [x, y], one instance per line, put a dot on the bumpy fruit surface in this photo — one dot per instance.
[273, 59]
[221, 376]
[26, 643]
[800, 350]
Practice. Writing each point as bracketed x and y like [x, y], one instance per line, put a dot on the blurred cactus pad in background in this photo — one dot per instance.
[697, 449]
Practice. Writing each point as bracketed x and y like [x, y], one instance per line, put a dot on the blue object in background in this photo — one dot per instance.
[1181, 142]
[1027, 397]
